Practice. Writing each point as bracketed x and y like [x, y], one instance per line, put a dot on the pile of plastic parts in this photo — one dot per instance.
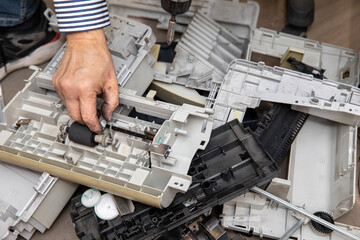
[199, 129]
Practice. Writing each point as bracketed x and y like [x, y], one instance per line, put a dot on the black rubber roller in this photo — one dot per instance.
[81, 134]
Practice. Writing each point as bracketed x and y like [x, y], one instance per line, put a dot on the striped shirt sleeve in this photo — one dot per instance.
[81, 15]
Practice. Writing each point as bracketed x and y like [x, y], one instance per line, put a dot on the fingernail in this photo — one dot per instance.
[107, 117]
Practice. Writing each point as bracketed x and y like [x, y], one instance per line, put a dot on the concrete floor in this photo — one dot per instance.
[336, 22]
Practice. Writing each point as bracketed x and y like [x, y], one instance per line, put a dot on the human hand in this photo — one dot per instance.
[85, 71]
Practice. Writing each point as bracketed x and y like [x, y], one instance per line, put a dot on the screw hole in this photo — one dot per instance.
[206, 185]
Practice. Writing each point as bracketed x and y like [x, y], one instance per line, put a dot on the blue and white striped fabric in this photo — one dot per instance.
[81, 15]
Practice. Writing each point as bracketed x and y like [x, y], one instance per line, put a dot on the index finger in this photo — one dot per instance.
[89, 113]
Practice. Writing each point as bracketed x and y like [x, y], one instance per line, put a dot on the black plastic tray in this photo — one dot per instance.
[235, 160]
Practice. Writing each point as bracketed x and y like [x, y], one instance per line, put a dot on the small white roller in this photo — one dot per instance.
[106, 209]
[90, 198]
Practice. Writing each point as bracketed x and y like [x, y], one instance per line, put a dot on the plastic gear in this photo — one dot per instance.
[320, 229]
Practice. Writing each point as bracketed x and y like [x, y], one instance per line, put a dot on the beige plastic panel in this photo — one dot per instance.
[123, 167]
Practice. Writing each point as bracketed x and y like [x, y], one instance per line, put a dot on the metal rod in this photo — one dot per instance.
[118, 129]
[171, 30]
[303, 212]
[292, 229]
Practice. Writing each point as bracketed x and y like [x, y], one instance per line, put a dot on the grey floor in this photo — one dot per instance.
[336, 22]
